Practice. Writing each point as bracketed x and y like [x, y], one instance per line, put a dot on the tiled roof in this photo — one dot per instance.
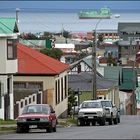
[8, 26]
[31, 61]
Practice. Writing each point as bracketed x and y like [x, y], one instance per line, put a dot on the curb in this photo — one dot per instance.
[12, 131]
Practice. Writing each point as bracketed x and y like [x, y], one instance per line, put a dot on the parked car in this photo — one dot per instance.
[39, 116]
[91, 111]
[112, 112]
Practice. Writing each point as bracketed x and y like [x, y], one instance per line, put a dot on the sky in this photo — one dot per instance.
[67, 4]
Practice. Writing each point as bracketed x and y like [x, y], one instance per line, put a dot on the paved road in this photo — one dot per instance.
[129, 128]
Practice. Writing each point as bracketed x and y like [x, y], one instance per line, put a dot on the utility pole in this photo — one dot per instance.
[94, 68]
[94, 72]
[133, 53]
[134, 85]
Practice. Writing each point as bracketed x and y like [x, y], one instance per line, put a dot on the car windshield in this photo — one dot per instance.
[91, 105]
[35, 109]
[106, 103]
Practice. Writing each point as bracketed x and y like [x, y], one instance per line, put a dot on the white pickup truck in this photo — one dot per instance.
[100, 111]
[91, 111]
[112, 113]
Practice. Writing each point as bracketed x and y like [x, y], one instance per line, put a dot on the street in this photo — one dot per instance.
[129, 128]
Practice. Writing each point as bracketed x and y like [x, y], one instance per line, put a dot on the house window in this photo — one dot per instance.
[21, 105]
[65, 86]
[33, 98]
[11, 49]
[61, 89]
[56, 92]
[25, 102]
[29, 100]
[19, 85]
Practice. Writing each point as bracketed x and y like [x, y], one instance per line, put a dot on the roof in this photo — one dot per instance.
[67, 46]
[8, 26]
[129, 80]
[126, 77]
[31, 61]
[83, 82]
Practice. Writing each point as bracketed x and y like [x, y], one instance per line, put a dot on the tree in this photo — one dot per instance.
[47, 35]
[100, 39]
[110, 60]
[53, 52]
[71, 99]
[66, 34]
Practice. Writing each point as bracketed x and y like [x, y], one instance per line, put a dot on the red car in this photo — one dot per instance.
[39, 116]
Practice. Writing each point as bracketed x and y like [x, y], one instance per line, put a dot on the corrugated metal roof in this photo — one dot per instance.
[83, 82]
[8, 26]
[31, 61]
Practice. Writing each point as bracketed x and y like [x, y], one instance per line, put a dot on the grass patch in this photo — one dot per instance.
[71, 121]
[7, 122]
[67, 122]
[7, 128]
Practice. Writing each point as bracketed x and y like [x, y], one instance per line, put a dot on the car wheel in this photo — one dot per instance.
[19, 129]
[49, 129]
[54, 129]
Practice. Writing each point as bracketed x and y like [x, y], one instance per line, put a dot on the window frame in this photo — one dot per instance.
[11, 49]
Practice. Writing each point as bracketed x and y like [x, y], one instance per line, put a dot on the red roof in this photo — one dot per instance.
[31, 61]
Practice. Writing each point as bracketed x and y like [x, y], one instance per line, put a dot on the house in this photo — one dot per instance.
[85, 65]
[68, 50]
[129, 43]
[40, 79]
[80, 79]
[107, 34]
[8, 65]
[82, 82]
[127, 82]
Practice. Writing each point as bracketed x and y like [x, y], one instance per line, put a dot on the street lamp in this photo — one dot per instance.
[94, 81]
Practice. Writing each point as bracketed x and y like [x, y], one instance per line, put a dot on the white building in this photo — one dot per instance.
[68, 52]
[8, 65]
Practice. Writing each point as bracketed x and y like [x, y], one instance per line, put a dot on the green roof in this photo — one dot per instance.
[129, 79]
[8, 26]
[126, 77]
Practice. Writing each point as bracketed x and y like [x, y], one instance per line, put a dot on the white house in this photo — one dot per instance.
[69, 52]
[8, 65]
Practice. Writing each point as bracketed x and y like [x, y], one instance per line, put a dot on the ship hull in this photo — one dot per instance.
[81, 17]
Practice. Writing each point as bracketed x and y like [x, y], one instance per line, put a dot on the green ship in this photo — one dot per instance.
[104, 13]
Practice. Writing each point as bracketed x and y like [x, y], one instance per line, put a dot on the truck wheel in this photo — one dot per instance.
[102, 121]
[110, 121]
[82, 123]
[87, 123]
[118, 120]
[93, 123]
[115, 120]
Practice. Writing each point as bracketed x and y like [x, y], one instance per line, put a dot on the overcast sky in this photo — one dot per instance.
[67, 4]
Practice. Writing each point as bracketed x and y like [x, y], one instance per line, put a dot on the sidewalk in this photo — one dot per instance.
[11, 127]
